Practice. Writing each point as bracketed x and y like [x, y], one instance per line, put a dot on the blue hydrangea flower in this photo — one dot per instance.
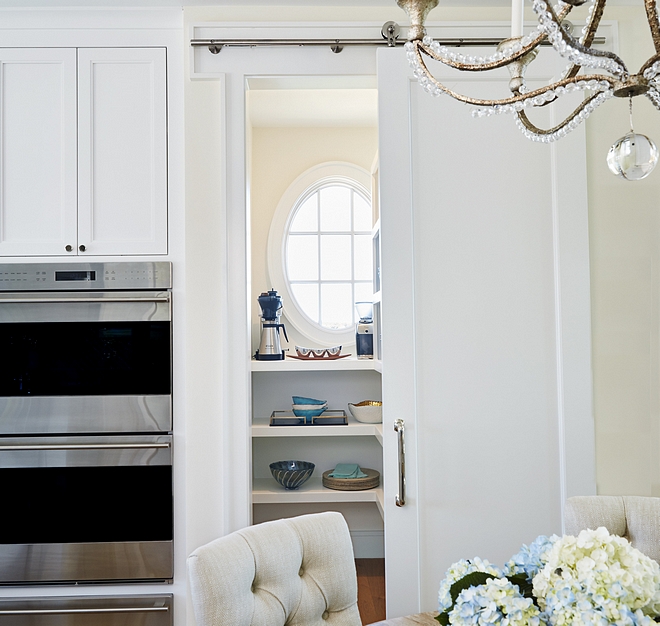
[531, 558]
[496, 603]
[457, 571]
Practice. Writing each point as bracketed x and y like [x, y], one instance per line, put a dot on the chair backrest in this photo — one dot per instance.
[636, 518]
[294, 572]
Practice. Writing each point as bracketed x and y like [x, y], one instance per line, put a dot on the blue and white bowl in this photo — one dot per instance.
[310, 413]
[291, 474]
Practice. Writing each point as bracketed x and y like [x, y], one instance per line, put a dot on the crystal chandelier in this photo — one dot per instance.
[631, 157]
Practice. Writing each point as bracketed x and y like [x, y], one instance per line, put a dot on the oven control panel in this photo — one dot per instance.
[85, 276]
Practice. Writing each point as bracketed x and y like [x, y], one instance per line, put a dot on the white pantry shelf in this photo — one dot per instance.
[261, 428]
[267, 491]
[350, 363]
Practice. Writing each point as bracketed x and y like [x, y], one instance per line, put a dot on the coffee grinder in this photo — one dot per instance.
[271, 309]
[364, 331]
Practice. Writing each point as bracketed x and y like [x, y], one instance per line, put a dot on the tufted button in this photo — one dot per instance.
[300, 573]
[325, 615]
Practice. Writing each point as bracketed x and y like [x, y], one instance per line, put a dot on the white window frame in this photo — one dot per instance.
[337, 171]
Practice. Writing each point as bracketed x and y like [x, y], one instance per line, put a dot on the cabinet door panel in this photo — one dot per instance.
[122, 151]
[38, 152]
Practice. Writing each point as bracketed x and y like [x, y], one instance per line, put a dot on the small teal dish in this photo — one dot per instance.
[303, 400]
[291, 474]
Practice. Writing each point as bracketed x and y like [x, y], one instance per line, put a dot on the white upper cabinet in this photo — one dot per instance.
[38, 151]
[83, 163]
[122, 151]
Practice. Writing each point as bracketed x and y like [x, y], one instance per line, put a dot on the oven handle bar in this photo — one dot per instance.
[71, 611]
[85, 446]
[58, 300]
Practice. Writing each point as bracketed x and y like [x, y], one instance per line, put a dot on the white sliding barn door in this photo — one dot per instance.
[486, 329]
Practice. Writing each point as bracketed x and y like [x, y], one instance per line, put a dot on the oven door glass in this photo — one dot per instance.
[85, 358]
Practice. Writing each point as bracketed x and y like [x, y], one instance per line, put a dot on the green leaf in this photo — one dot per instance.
[443, 618]
[525, 586]
[473, 579]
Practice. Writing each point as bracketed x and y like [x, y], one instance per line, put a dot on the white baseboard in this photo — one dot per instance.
[368, 544]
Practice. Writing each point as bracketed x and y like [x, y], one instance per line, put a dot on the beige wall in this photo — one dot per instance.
[279, 156]
[623, 225]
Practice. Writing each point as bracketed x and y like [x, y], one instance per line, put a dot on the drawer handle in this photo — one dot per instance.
[399, 427]
[85, 446]
[64, 300]
[128, 609]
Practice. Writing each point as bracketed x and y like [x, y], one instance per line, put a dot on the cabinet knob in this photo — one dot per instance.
[82, 248]
[68, 248]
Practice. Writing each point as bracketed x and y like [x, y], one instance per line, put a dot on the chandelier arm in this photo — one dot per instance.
[590, 33]
[482, 67]
[503, 101]
[592, 27]
[522, 116]
[654, 24]
[544, 10]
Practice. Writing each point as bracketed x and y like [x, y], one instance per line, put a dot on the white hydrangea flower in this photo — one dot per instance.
[597, 578]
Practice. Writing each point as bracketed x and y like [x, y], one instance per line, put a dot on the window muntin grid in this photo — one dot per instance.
[328, 258]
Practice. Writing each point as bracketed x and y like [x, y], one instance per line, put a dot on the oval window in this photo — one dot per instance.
[325, 251]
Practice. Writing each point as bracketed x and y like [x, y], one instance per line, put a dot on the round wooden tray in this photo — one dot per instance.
[371, 480]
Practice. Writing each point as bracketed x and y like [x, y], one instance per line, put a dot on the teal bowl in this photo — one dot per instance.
[304, 400]
[291, 474]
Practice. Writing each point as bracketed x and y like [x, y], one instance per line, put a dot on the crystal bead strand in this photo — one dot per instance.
[548, 96]
[654, 96]
[564, 48]
[447, 55]
[651, 72]
[427, 83]
[569, 126]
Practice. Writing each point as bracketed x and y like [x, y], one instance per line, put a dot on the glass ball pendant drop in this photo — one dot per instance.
[634, 156]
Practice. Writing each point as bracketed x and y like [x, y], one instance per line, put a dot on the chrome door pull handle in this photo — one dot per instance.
[84, 446]
[399, 427]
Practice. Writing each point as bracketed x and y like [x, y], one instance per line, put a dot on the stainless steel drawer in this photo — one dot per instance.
[151, 610]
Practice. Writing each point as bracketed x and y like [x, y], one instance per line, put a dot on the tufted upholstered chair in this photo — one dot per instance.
[293, 572]
[636, 518]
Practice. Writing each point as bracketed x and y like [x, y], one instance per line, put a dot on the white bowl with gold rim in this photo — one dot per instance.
[367, 411]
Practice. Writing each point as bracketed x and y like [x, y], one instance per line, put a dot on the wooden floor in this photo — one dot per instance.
[371, 589]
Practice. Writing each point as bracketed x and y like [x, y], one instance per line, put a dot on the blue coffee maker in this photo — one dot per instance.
[270, 348]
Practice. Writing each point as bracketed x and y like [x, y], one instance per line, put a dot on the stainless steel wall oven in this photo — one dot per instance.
[86, 423]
